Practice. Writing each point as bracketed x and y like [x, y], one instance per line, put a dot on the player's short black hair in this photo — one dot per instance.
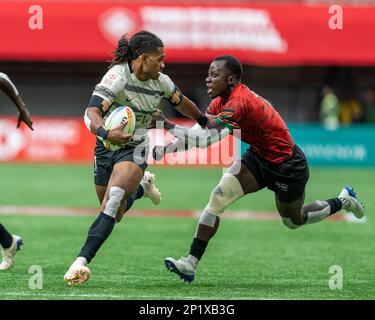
[130, 49]
[233, 65]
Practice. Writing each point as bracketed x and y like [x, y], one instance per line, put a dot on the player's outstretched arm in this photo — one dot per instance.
[176, 145]
[7, 86]
[214, 132]
[189, 109]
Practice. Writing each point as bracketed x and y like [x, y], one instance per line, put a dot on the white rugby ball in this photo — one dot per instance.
[118, 117]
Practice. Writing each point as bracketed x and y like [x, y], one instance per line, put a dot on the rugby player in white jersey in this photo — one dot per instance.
[135, 79]
[10, 242]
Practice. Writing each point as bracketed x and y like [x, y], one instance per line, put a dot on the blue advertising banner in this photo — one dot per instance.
[351, 146]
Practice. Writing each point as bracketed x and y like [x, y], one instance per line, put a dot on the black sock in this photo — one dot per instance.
[6, 238]
[98, 233]
[197, 248]
[136, 195]
[335, 205]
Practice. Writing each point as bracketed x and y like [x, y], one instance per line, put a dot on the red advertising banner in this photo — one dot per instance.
[54, 140]
[67, 140]
[261, 34]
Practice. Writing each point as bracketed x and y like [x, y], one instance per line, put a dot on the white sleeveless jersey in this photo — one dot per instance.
[120, 87]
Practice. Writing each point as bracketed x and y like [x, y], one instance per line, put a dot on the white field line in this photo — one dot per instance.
[115, 296]
[237, 215]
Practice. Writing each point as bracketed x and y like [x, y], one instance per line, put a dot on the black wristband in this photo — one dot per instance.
[101, 132]
[202, 120]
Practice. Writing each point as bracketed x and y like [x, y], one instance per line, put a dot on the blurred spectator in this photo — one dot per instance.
[350, 110]
[329, 109]
[369, 105]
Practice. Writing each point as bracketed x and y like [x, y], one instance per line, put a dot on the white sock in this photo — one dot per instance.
[82, 261]
[192, 260]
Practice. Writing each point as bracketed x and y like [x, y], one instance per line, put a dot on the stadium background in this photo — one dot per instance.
[289, 54]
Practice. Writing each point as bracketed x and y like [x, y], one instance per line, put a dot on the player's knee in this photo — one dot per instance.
[228, 191]
[288, 222]
[116, 194]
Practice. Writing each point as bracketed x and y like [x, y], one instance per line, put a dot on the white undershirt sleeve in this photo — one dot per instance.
[201, 138]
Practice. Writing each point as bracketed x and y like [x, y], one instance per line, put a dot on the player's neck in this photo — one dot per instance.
[137, 70]
[141, 76]
[225, 96]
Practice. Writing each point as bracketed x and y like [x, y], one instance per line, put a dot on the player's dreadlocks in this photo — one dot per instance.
[141, 42]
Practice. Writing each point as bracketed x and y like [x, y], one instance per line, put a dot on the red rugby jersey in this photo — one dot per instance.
[260, 124]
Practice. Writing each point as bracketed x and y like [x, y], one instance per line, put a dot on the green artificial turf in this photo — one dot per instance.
[247, 259]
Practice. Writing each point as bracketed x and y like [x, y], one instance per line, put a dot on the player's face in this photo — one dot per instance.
[154, 63]
[217, 80]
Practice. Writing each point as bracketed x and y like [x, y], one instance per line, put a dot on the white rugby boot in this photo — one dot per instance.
[151, 192]
[181, 267]
[350, 202]
[9, 253]
[78, 272]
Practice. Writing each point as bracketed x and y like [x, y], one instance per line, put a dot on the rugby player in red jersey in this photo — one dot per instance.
[273, 161]
[10, 242]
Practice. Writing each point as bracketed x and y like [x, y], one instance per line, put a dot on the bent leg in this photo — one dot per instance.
[127, 176]
[235, 183]
[146, 188]
[291, 213]
[100, 192]
[230, 188]
[124, 180]
[294, 214]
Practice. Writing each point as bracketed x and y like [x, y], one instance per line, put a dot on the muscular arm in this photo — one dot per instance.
[189, 109]
[94, 120]
[7, 86]
[198, 138]
[94, 117]
[178, 145]
[188, 138]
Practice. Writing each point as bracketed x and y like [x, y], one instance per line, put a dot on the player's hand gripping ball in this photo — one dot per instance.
[118, 117]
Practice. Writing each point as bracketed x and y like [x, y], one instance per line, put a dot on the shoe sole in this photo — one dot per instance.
[172, 268]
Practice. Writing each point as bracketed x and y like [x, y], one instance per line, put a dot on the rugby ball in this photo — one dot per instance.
[118, 117]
